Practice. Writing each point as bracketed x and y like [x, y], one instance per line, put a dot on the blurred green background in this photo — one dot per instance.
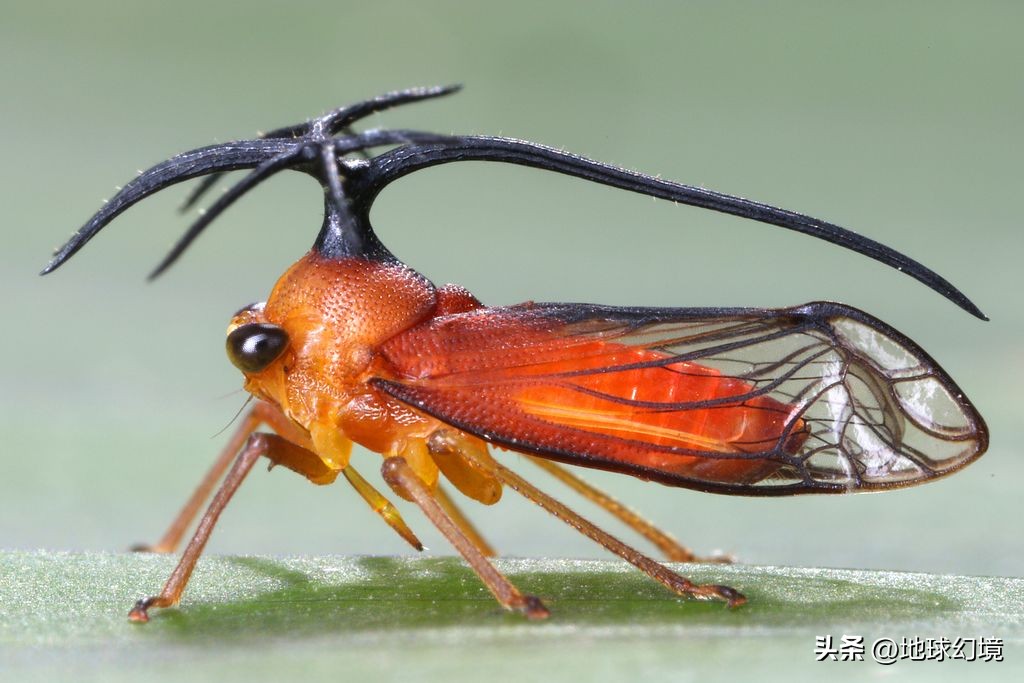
[901, 121]
[903, 124]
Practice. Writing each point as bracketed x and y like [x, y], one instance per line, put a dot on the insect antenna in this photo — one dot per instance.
[392, 165]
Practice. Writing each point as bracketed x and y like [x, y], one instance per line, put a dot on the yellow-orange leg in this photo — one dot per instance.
[669, 546]
[382, 506]
[261, 413]
[660, 573]
[305, 463]
[401, 477]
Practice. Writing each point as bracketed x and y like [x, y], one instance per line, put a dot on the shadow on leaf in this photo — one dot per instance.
[437, 593]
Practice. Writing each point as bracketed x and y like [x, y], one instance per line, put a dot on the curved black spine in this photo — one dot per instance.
[319, 147]
[390, 166]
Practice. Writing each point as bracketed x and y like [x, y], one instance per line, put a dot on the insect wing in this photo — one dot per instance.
[818, 398]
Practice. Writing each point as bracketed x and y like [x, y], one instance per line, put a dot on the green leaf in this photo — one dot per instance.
[342, 618]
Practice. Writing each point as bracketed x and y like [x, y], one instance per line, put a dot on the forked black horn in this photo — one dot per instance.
[304, 147]
[318, 147]
[336, 121]
[319, 159]
[392, 165]
[198, 162]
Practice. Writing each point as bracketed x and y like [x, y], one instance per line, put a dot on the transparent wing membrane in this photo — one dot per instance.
[820, 398]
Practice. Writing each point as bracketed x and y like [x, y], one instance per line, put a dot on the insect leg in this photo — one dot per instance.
[465, 525]
[261, 413]
[304, 461]
[256, 445]
[447, 448]
[674, 582]
[382, 506]
[401, 477]
[279, 451]
[673, 549]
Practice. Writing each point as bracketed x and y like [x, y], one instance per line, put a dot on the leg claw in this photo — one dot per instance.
[732, 597]
[533, 609]
[140, 613]
[147, 548]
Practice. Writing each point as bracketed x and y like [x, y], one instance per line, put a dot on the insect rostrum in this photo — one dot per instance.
[354, 346]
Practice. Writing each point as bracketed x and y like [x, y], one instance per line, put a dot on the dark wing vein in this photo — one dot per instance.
[844, 401]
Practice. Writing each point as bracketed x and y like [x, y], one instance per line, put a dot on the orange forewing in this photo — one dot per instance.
[540, 387]
[817, 398]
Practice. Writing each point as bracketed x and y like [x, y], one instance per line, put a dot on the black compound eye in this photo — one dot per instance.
[253, 347]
